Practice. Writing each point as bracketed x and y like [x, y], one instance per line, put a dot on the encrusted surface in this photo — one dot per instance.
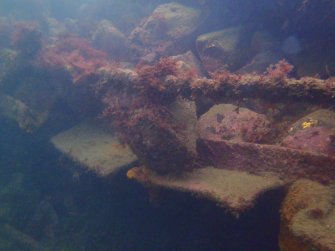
[235, 190]
[308, 217]
[289, 164]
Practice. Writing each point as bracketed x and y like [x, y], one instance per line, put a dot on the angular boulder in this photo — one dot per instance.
[314, 133]
[307, 217]
[229, 122]
[223, 50]
[110, 39]
[163, 31]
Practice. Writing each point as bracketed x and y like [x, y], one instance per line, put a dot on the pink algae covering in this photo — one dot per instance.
[314, 139]
[229, 122]
[76, 55]
[289, 164]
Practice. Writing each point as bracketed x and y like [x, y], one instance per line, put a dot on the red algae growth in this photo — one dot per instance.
[227, 115]
[76, 56]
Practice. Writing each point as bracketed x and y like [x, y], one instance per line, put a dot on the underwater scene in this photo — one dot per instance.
[152, 125]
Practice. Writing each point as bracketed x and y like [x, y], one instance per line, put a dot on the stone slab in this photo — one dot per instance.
[234, 190]
[95, 148]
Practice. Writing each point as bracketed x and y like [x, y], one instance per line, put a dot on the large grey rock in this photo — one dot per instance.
[163, 31]
[223, 50]
[27, 118]
[109, 38]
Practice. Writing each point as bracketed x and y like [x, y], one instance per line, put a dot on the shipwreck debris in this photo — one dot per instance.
[236, 191]
[95, 148]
